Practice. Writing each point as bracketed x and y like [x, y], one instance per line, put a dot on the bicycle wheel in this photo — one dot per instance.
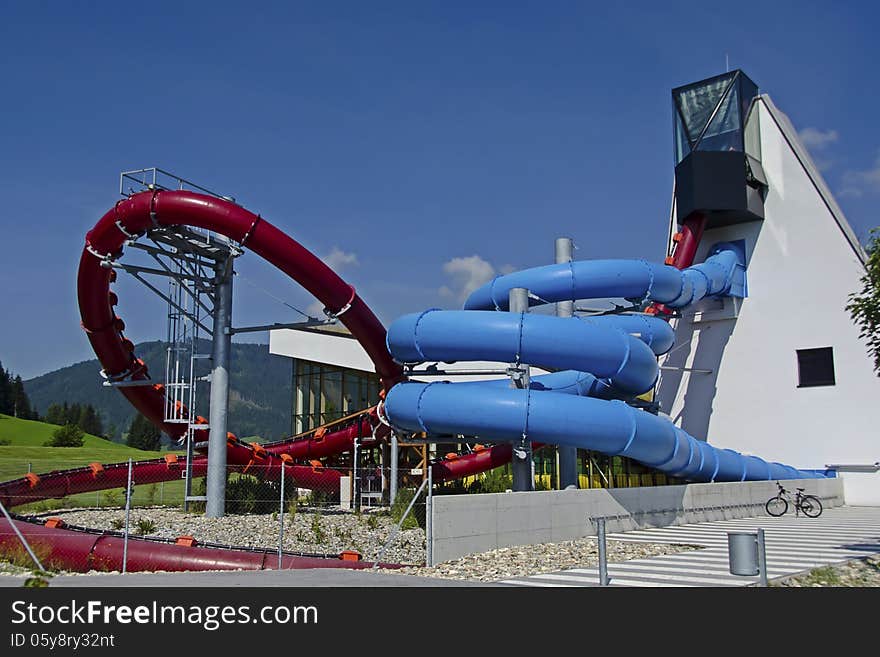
[776, 506]
[811, 506]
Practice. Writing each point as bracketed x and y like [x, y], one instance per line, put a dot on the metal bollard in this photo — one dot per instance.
[603, 556]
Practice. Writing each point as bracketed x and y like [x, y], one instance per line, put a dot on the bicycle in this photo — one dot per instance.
[778, 505]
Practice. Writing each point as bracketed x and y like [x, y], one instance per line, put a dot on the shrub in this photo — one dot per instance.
[416, 517]
[145, 526]
[5, 441]
[112, 497]
[247, 494]
[69, 435]
[494, 481]
[117, 524]
[321, 498]
[317, 529]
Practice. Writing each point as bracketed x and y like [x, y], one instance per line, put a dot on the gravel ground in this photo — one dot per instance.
[330, 532]
[518, 561]
[327, 532]
[860, 573]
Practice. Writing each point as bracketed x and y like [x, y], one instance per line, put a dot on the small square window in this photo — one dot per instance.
[815, 367]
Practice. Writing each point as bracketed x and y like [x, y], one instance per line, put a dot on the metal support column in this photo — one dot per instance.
[216, 479]
[429, 519]
[566, 455]
[392, 495]
[521, 465]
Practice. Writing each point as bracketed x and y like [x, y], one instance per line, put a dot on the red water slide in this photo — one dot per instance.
[129, 219]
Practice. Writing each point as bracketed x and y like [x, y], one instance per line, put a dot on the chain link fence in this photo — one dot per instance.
[89, 519]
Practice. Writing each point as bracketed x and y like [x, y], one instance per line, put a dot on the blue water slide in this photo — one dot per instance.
[722, 272]
[601, 360]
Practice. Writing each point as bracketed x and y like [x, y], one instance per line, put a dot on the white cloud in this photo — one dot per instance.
[338, 259]
[856, 183]
[816, 139]
[316, 309]
[466, 274]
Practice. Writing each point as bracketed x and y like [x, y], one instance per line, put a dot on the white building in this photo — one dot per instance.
[782, 373]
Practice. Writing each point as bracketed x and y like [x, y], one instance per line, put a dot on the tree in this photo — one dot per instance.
[90, 421]
[6, 403]
[69, 435]
[55, 414]
[20, 401]
[143, 435]
[864, 306]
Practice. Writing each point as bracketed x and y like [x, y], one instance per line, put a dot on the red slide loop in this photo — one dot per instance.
[164, 208]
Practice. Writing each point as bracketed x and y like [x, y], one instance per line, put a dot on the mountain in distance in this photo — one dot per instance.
[259, 394]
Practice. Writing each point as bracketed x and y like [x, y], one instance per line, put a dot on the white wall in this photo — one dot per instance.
[801, 269]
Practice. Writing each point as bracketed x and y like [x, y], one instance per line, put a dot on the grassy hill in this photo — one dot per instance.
[259, 400]
[26, 438]
[25, 451]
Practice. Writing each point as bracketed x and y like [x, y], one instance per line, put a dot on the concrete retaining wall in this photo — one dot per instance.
[465, 524]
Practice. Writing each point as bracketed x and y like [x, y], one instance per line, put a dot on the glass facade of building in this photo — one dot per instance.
[323, 393]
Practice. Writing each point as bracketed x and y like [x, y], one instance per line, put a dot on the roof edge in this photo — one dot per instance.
[800, 151]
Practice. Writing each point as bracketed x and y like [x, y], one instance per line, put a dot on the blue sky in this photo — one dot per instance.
[418, 146]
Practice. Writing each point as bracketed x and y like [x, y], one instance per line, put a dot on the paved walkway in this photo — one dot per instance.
[794, 544]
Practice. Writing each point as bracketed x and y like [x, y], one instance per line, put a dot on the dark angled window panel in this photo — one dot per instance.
[815, 367]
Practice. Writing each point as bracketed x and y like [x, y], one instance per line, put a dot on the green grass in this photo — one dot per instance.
[26, 438]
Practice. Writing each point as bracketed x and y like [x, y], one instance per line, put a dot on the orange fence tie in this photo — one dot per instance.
[97, 469]
[451, 456]
[186, 541]
[320, 432]
[259, 452]
[479, 448]
[669, 260]
[677, 237]
[287, 458]
[54, 523]
[317, 466]
[350, 555]
[171, 461]
[33, 479]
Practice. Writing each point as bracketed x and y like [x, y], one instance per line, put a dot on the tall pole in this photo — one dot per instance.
[521, 465]
[392, 485]
[127, 519]
[222, 347]
[566, 455]
[281, 519]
